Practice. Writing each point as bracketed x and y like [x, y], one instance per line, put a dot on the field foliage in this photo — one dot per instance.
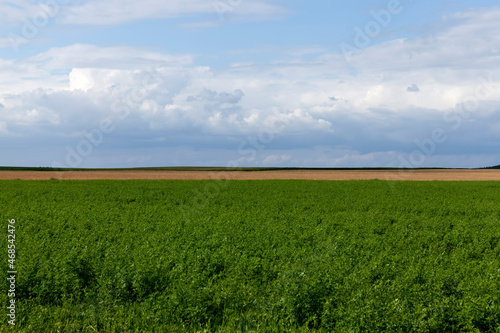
[254, 256]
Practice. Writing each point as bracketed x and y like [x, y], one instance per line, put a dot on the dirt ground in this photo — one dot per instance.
[437, 174]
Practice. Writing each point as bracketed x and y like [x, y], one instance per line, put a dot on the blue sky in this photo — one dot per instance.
[394, 83]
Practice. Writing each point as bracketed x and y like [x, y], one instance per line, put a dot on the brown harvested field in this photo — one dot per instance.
[428, 174]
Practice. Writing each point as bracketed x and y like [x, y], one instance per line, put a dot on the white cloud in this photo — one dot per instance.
[464, 41]
[5, 42]
[122, 11]
[97, 78]
[112, 57]
[51, 69]
[14, 13]
[276, 160]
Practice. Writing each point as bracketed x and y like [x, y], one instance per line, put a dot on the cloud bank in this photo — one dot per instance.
[135, 107]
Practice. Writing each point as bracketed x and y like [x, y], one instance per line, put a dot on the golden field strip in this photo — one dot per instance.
[413, 175]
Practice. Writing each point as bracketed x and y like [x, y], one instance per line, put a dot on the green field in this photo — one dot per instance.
[253, 256]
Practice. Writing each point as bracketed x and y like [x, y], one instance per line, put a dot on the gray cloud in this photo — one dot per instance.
[413, 88]
[221, 98]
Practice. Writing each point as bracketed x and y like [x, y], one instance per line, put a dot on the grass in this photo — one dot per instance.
[254, 256]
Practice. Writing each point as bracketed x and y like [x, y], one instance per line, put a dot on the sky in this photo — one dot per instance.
[269, 83]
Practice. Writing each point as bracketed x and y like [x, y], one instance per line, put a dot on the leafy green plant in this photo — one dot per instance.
[259, 256]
